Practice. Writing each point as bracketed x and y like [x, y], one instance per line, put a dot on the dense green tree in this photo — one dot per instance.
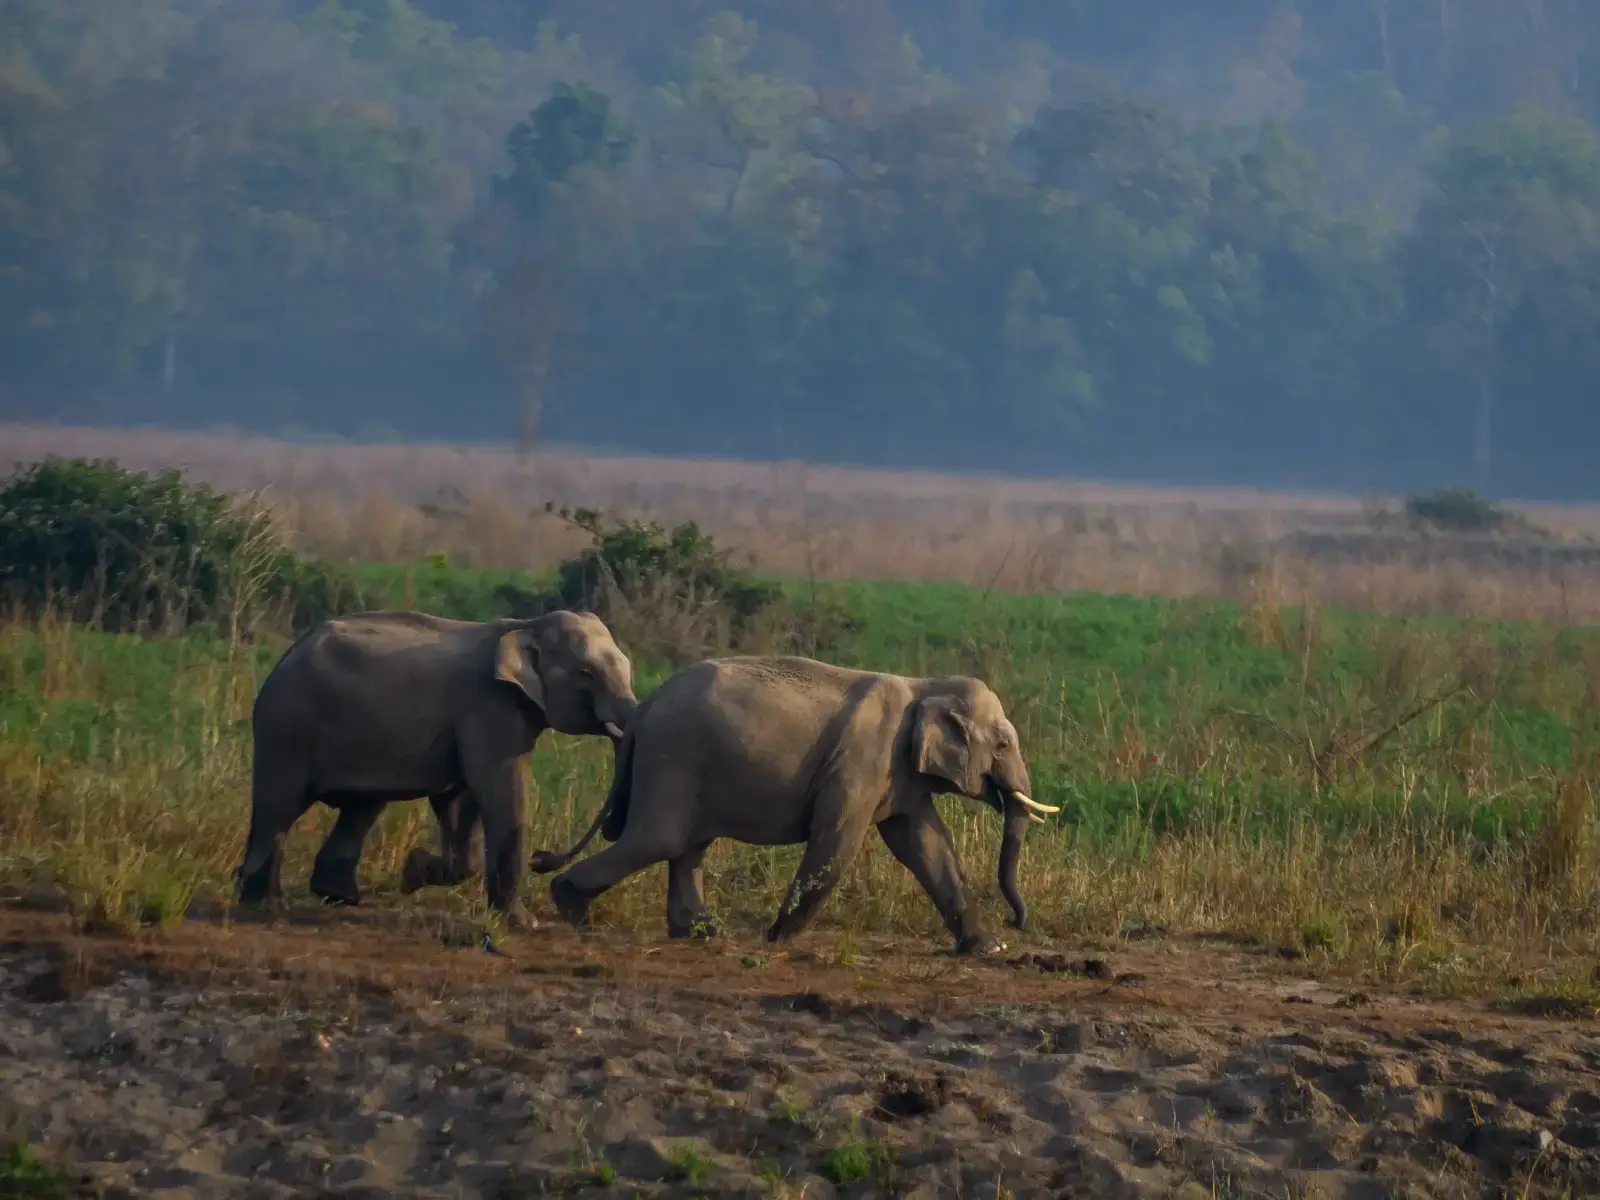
[1276, 240]
[1504, 272]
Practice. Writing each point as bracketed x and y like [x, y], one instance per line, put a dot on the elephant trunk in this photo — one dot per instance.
[1016, 824]
[614, 715]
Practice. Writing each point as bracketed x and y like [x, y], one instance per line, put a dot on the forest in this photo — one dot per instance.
[1347, 244]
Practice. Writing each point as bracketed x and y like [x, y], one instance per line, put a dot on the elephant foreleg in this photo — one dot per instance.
[500, 801]
[921, 842]
[686, 898]
[333, 875]
[839, 825]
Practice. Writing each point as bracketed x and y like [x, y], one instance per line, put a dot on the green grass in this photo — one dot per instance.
[856, 1158]
[1203, 755]
[23, 1174]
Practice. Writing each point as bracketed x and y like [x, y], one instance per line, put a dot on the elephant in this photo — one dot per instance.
[782, 750]
[377, 707]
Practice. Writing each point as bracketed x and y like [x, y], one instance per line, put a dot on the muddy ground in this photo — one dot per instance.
[373, 1055]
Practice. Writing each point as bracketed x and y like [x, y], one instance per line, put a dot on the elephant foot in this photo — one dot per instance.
[419, 870]
[425, 869]
[336, 899]
[702, 927]
[569, 901]
[518, 919]
[981, 944]
[257, 894]
[336, 889]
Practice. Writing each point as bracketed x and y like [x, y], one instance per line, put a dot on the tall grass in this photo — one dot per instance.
[375, 503]
[1404, 798]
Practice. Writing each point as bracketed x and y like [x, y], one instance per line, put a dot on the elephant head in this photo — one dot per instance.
[572, 670]
[963, 743]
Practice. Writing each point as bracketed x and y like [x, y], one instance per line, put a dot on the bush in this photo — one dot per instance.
[133, 551]
[630, 559]
[673, 596]
[1458, 510]
[669, 593]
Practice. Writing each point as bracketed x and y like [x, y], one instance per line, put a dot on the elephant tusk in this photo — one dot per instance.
[1033, 805]
[614, 730]
[1036, 817]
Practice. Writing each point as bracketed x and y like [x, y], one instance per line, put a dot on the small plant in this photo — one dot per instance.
[789, 1106]
[848, 951]
[688, 1165]
[165, 897]
[25, 1175]
[775, 1177]
[1319, 934]
[600, 1172]
[856, 1158]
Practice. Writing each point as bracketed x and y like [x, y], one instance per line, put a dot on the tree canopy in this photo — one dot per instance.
[1265, 241]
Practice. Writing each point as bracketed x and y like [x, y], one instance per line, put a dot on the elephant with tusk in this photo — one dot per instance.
[377, 707]
[783, 750]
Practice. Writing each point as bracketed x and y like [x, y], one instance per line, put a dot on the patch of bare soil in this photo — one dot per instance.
[382, 1056]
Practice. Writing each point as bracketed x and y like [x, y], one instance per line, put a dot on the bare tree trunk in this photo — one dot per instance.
[182, 252]
[1485, 431]
[731, 204]
[169, 358]
[1381, 9]
[1446, 28]
[1490, 278]
[532, 404]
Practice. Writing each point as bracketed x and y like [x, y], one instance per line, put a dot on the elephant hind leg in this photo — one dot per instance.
[658, 829]
[460, 837]
[686, 898]
[576, 888]
[333, 875]
[278, 798]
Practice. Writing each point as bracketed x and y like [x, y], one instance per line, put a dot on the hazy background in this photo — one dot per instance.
[1348, 244]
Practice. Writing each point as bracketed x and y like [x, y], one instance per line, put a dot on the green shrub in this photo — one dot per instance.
[133, 551]
[630, 559]
[672, 595]
[1458, 510]
[24, 1174]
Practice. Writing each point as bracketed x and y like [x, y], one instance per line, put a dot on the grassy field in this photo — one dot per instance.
[485, 508]
[1386, 797]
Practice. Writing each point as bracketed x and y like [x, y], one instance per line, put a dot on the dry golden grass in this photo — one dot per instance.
[485, 507]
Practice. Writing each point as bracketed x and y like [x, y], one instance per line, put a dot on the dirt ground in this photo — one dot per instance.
[380, 1054]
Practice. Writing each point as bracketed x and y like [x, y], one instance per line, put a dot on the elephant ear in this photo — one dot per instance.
[941, 743]
[516, 661]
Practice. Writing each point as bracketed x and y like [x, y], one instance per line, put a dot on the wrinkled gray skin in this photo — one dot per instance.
[776, 751]
[378, 707]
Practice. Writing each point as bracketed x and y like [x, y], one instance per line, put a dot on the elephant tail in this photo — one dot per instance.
[613, 814]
